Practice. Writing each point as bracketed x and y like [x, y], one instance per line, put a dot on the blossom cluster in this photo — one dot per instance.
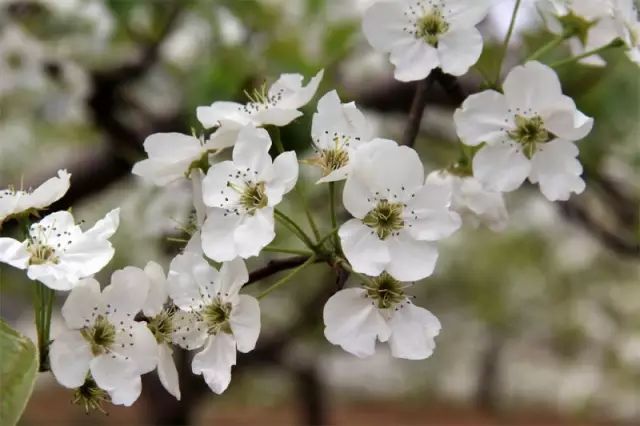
[525, 128]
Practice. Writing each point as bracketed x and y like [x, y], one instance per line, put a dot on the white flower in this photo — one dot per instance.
[213, 315]
[471, 201]
[103, 339]
[57, 252]
[529, 132]
[21, 61]
[356, 317]
[422, 35]
[397, 216]
[242, 195]
[590, 21]
[14, 202]
[161, 325]
[171, 156]
[337, 131]
[626, 17]
[277, 106]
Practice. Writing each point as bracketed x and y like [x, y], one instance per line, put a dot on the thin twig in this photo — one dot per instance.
[417, 110]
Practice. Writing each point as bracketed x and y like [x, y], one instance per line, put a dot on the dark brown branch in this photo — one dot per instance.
[417, 110]
[275, 266]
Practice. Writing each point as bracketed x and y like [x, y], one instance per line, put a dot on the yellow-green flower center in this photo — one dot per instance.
[431, 26]
[253, 197]
[529, 132]
[100, 336]
[41, 254]
[162, 327]
[216, 316]
[90, 396]
[385, 218]
[386, 291]
[333, 159]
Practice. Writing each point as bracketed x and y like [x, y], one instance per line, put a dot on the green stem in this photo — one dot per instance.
[294, 228]
[549, 46]
[332, 209]
[348, 267]
[505, 44]
[329, 235]
[614, 44]
[287, 277]
[276, 139]
[307, 212]
[287, 250]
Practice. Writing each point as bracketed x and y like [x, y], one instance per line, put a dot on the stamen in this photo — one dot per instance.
[385, 218]
[386, 291]
[431, 26]
[529, 132]
[100, 336]
[216, 316]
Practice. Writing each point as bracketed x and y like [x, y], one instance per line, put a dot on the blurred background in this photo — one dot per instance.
[541, 323]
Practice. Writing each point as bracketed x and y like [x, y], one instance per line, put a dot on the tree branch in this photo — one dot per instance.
[417, 110]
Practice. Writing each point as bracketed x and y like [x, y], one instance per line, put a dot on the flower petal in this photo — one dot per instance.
[214, 362]
[69, 357]
[189, 331]
[412, 332]
[157, 296]
[254, 233]
[127, 291]
[167, 371]
[363, 249]
[532, 86]
[353, 322]
[245, 322]
[14, 253]
[483, 117]
[284, 176]
[79, 308]
[218, 240]
[232, 276]
[501, 167]
[459, 49]
[383, 25]
[127, 394]
[557, 170]
[211, 116]
[410, 260]
[414, 59]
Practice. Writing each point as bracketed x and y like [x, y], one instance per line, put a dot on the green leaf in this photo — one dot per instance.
[18, 369]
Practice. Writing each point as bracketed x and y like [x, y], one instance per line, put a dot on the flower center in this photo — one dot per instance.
[253, 197]
[100, 336]
[386, 291]
[333, 159]
[162, 327]
[385, 218]
[90, 396]
[431, 26]
[529, 132]
[216, 316]
[41, 254]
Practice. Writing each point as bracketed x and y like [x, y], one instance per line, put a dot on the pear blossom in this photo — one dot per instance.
[422, 35]
[58, 253]
[161, 325]
[212, 315]
[355, 318]
[529, 131]
[470, 200]
[628, 25]
[397, 217]
[172, 156]
[102, 340]
[22, 60]
[16, 201]
[590, 21]
[337, 130]
[278, 106]
[241, 195]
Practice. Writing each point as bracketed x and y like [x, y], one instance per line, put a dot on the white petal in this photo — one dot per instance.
[218, 241]
[357, 197]
[189, 331]
[484, 117]
[353, 322]
[294, 94]
[214, 362]
[557, 170]
[56, 277]
[80, 304]
[50, 191]
[335, 117]
[111, 371]
[427, 215]
[105, 227]
[245, 322]
[411, 260]
[232, 277]
[488, 206]
[414, 59]
[186, 273]
[383, 24]
[157, 296]
[275, 116]
[167, 371]
[69, 356]
[501, 167]
[14, 253]
[254, 233]
[465, 14]
[459, 49]
[284, 177]
[566, 122]
[127, 291]
[136, 342]
[532, 86]
[170, 155]
[251, 151]
[211, 116]
[365, 252]
[128, 393]
[197, 177]
[216, 191]
[413, 330]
